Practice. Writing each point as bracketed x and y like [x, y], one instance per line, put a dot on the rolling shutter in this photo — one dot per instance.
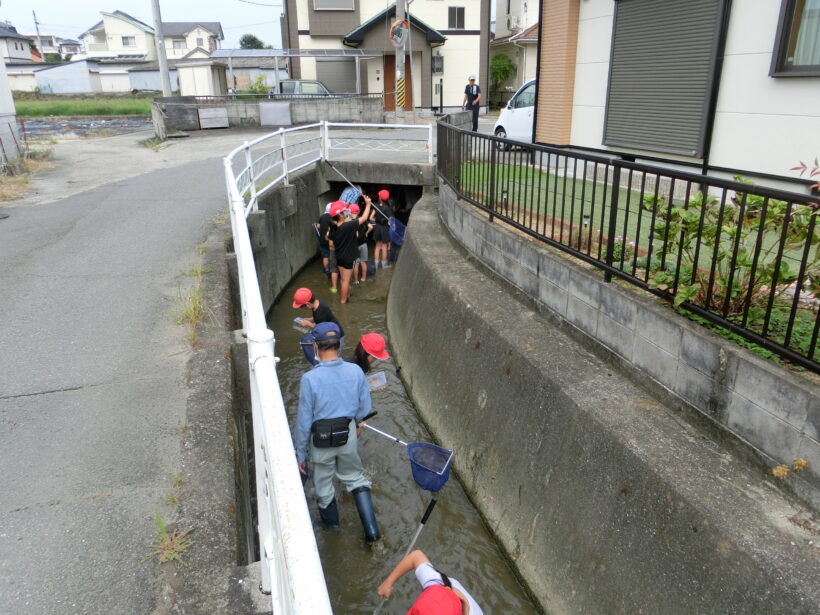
[664, 54]
[338, 74]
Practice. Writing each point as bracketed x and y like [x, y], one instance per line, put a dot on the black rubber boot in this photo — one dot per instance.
[365, 505]
[330, 516]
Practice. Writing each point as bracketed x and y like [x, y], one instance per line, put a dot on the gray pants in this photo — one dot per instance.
[343, 461]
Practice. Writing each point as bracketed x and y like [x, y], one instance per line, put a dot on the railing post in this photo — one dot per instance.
[430, 144]
[613, 218]
[284, 155]
[492, 202]
[260, 344]
[251, 176]
[325, 140]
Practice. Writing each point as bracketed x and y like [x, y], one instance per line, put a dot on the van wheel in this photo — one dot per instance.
[502, 134]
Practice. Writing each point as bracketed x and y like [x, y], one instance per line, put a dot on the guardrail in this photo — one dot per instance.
[744, 257]
[291, 569]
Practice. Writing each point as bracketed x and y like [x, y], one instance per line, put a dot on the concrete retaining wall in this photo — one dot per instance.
[368, 110]
[604, 499]
[180, 113]
[774, 411]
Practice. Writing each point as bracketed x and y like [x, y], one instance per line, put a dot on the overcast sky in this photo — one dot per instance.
[70, 18]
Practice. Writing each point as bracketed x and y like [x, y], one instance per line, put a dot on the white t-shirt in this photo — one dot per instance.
[429, 576]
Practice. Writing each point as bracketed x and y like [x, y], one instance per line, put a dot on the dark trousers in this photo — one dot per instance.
[474, 109]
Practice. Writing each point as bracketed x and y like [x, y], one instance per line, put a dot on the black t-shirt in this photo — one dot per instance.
[472, 92]
[324, 226]
[345, 240]
[384, 209]
[361, 236]
[324, 314]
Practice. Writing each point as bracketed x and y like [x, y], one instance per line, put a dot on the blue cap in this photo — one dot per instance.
[326, 331]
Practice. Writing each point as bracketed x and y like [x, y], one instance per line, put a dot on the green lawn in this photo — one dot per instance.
[118, 106]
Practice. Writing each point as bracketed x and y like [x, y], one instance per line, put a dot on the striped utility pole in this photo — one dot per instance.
[400, 84]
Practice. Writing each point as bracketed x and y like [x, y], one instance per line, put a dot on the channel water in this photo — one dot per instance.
[455, 537]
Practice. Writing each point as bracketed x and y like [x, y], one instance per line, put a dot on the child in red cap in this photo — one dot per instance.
[382, 212]
[440, 594]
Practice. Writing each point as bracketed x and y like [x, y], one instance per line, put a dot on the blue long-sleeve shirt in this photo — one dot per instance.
[330, 390]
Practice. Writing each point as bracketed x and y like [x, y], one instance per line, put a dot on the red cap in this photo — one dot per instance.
[373, 344]
[436, 600]
[354, 209]
[302, 297]
[337, 207]
[384, 195]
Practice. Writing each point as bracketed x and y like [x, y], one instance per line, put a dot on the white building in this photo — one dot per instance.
[522, 50]
[51, 43]
[448, 43]
[735, 90]
[9, 138]
[121, 36]
[15, 47]
[182, 37]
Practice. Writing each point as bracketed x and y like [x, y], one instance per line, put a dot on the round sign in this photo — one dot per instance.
[398, 32]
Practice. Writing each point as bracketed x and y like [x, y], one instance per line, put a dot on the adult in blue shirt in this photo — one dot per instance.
[472, 96]
[333, 401]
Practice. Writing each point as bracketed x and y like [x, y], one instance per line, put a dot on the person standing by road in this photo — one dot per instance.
[333, 402]
[472, 98]
[441, 595]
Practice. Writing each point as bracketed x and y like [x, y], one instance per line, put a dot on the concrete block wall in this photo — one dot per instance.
[604, 500]
[367, 110]
[763, 405]
[243, 112]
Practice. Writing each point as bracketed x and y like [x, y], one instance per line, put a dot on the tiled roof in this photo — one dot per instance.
[181, 28]
[527, 35]
[7, 33]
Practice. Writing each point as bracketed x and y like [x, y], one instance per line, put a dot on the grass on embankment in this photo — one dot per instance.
[114, 106]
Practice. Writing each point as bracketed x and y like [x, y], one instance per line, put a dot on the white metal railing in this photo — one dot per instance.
[291, 569]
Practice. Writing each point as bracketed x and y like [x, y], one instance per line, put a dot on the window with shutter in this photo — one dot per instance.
[662, 68]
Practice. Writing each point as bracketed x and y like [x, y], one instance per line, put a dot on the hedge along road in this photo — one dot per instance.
[455, 538]
[92, 369]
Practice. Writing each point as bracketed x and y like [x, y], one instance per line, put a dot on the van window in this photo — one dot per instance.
[311, 87]
[288, 87]
[525, 98]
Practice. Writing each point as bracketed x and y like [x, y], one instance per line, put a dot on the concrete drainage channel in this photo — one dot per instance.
[591, 511]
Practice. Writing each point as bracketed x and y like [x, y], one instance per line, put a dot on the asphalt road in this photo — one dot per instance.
[92, 387]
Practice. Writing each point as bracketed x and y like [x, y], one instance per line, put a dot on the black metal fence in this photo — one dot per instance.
[742, 256]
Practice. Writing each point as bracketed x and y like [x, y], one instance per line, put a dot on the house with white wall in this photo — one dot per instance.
[182, 37]
[522, 50]
[118, 35]
[449, 41]
[10, 150]
[15, 47]
[735, 90]
[51, 43]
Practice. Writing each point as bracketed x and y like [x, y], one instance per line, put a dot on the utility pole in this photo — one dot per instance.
[160, 42]
[400, 83]
[39, 40]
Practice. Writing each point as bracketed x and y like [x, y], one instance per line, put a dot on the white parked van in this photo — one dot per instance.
[515, 121]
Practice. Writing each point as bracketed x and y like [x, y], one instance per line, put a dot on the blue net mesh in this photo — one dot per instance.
[430, 465]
